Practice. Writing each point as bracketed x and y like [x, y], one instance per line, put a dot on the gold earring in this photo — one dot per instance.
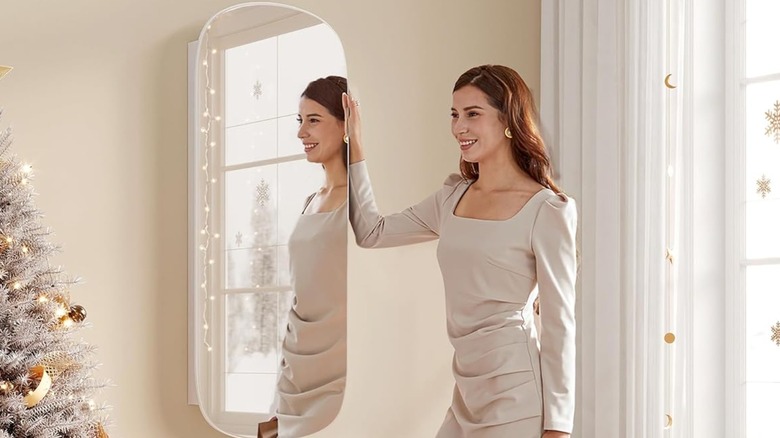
[507, 133]
[346, 138]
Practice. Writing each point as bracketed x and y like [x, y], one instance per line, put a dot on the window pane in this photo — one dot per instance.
[251, 82]
[251, 142]
[762, 303]
[762, 164]
[250, 207]
[761, 403]
[249, 392]
[305, 55]
[762, 33]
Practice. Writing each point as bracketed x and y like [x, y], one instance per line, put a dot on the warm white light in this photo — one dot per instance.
[213, 51]
[203, 231]
[43, 299]
[24, 249]
[212, 298]
[211, 262]
[213, 180]
[218, 118]
[26, 168]
[213, 143]
[202, 129]
[216, 236]
[205, 113]
[212, 91]
[205, 62]
[61, 311]
[202, 247]
[209, 349]
[17, 285]
[204, 167]
[206, 326]
[67, 322]
[207, 209]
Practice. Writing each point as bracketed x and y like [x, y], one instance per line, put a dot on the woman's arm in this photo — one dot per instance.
[553, 243]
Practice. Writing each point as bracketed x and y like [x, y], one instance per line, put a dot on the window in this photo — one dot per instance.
[757, 206]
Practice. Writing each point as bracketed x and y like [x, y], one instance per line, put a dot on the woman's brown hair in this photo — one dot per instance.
[327, 92]
[507, 92]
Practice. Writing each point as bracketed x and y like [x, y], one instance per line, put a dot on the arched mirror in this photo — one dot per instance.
[268, 229]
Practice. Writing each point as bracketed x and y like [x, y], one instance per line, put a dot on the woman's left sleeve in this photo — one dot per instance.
[554, 245]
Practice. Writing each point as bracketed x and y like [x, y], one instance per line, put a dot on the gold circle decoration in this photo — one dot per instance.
[669, 338]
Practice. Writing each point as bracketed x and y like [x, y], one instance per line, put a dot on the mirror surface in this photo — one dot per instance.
[268, 221]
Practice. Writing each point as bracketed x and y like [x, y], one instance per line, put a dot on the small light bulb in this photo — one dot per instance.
[213, 51]
[202, 231]
[213, 180]
[17, 285]
[202, 129]
[209, 349]
[211, 262]
[67, 322]
[204, 167]
[24, 181]
[207, 209]
[24, 249]
[205, 62]
[212, 298]
[202, 247]
[26, 168]
[218, 118]
[206, 326]
[212, 91]
[205, 113]
[213, 143]
[203, 285]
[43, 299]
[216, 236]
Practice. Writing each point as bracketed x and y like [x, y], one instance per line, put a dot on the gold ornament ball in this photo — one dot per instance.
[669, 338]
[77, 313]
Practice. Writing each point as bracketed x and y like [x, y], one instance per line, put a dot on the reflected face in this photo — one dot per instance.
[320, 132]
[477, 125]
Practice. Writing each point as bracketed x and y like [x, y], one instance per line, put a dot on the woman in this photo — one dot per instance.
[311, 383]
[503, 228]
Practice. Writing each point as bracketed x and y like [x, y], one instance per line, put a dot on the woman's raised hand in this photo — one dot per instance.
[352, 127]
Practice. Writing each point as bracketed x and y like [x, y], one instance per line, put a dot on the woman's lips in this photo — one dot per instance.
[466, 144]
[307, 147]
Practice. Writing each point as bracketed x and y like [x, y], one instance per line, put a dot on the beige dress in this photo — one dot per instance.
[510, 380]
[311, 383]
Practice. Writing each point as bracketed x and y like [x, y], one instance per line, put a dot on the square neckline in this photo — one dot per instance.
[457, 202]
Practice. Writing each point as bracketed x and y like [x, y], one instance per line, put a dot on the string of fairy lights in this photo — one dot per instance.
[209, 143]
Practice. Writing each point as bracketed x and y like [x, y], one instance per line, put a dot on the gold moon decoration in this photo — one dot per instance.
[669, 338]
[666, 82]
[39, 373]
[4, 70]
[668, 422]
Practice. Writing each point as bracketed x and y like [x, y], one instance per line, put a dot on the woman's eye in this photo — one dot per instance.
[299, 121]
[454, 116]
[473, 114]
[313, 120]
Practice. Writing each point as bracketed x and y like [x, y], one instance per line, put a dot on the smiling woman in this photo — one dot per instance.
[506, 235]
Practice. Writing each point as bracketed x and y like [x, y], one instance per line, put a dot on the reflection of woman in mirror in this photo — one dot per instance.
[506, 235]
[311, 383]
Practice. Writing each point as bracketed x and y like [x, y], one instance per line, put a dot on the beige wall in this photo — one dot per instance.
[98, 103]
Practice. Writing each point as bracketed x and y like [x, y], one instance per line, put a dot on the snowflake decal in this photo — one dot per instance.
[263, 192]
[776, 334]
[258, 90]
[239, 238]
[763, 186]
[773, 117]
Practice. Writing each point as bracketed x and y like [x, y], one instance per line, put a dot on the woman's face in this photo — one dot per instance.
[320, 132]
[476, 125]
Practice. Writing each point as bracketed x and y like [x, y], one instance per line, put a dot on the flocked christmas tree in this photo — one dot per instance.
[46, 383]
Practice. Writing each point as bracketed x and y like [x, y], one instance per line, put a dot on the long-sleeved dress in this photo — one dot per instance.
[510, 381]
[312, 379]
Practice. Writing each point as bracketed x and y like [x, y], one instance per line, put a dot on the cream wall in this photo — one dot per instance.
[98, 104]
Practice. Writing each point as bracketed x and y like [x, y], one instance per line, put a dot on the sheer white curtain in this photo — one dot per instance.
[621, 143]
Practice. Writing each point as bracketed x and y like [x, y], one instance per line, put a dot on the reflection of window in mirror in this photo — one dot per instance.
[756, 209]
[257, 186]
